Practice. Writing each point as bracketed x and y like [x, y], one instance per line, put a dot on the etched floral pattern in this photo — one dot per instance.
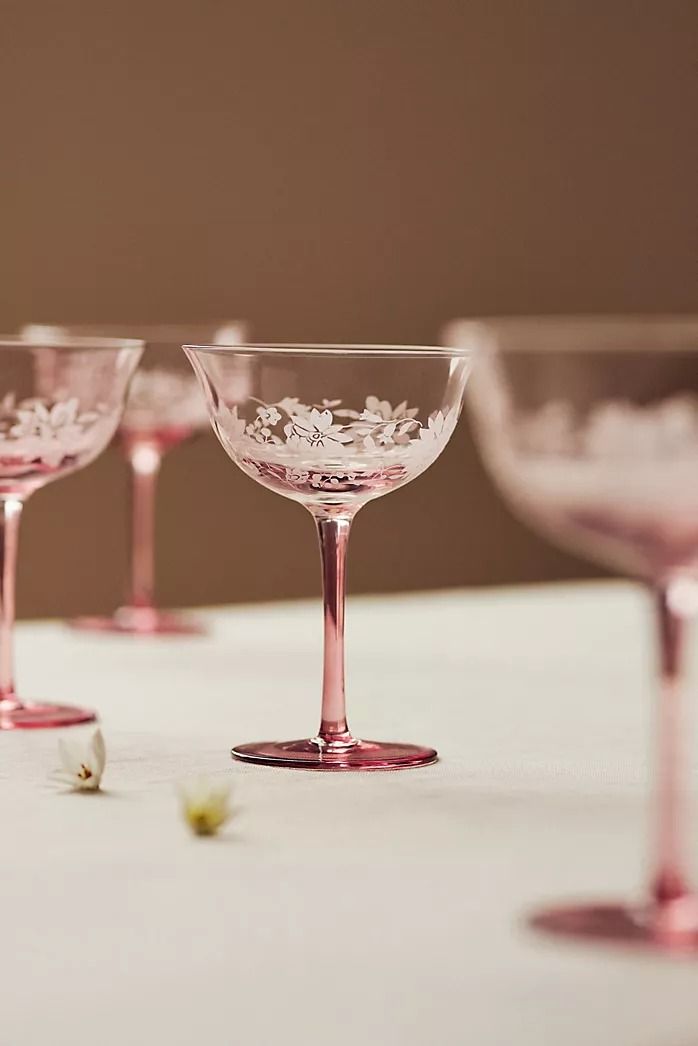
[616, 478]
[164, 398]
[612, 429]
[45, 433]
[326, 448]
[293, 428]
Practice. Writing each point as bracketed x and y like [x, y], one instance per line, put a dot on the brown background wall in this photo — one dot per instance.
[332, 170]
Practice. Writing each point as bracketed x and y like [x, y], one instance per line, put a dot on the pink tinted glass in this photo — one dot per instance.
[332, 427]
[60, 405]
[590, 429]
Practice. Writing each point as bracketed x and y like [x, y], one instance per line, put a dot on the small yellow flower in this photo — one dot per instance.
[205, 805]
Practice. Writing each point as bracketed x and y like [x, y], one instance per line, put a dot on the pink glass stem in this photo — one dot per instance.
[10, 516]
[333, 532]
[670, 881]
[145, 459]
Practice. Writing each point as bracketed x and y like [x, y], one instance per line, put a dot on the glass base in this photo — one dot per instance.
[310, 755]
[672, 928]
[139, 621]
[35, 716]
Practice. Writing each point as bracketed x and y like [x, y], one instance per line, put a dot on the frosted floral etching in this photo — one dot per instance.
[162, 397]
[330, 449]
[612, 429]
[45, 433]
[615, 477]
[290, 428]
[618, 471]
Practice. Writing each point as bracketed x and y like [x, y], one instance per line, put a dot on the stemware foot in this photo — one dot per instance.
[673, 929]
[38, 716]
[309, 755]
[140, 621]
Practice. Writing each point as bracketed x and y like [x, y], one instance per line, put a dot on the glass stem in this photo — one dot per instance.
[670, 881]
[333, 532]
[145, 459]
[10, 515]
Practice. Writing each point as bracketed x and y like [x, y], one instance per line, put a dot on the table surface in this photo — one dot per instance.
[383, 908]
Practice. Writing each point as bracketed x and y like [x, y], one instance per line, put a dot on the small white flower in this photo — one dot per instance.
[316, 430]
[269, 415]
[205, 804]
[82, 763]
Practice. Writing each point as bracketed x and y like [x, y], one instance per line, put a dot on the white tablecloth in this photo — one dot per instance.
[382, 908]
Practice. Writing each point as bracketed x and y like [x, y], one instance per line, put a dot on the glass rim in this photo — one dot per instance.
[330, 349]
[579, 326]
[16, 341]
[148, 333]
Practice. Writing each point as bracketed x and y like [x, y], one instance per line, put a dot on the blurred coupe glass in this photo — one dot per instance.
[590, 429]
[60, 405]
[165, 407]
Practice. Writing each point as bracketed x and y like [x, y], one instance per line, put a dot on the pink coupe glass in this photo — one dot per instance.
[312, 423]
[164, 408]
[59, 408]
[590, 428]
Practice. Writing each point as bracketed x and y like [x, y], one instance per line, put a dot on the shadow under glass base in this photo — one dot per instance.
[310, 755]
[139, 621]
[673, 930]
[39, 716]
